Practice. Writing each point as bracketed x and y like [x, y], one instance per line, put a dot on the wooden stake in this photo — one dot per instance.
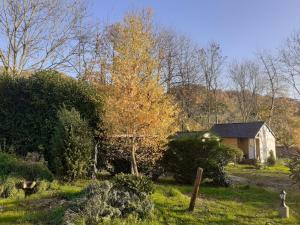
[196, 188]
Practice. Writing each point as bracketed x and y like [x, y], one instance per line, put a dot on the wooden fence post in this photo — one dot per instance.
[196, 189]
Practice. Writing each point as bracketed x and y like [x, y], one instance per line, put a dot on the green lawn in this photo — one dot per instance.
[241, 204]
[274, 177]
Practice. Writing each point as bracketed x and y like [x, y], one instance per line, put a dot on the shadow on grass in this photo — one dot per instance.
[9, 219]
[53, 216]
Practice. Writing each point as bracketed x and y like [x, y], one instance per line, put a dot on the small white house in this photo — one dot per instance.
[256, 139]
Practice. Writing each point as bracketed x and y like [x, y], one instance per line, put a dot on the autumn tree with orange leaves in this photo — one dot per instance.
[137, 108]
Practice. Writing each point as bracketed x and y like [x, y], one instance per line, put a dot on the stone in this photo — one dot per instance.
[284, 212]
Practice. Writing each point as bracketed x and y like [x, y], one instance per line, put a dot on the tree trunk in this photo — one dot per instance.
[95, 160]
[134, 168]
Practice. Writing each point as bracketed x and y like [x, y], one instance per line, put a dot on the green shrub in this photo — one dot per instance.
[271, 161]
[152, 170]
[133, 184]
[19, 194]
[42, 186]
[54, 185]
[102, 201]
[34, 171]
[294, 166]
[10, 190]
[185, 154]
[72, 145]
[11, 165]
[29, 106]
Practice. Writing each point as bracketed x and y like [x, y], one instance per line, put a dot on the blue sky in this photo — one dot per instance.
[242, 27]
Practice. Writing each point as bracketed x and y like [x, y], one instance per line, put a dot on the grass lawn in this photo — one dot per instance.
[242, 204]
[275, 177]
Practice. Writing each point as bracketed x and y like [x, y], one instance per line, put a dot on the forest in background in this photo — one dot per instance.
[208, 87]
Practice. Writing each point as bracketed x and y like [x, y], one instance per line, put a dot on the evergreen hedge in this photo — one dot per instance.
[29, 107]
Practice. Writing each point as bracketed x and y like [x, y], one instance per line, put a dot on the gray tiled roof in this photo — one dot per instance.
[240, 130]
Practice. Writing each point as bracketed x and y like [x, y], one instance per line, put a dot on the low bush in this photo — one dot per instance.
[42, 186]
[271, 161]
[9, 188]
[153, 170]
[54, 185]
[134, 184]
[101, 201]
[185, 154]
[11, 165]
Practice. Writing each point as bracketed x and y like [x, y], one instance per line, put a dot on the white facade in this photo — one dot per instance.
[262, 144]
[252, 149]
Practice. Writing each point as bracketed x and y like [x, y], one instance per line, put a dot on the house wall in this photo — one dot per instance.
[252, 149]
[266, 142]
[243, 143]
[230, 141]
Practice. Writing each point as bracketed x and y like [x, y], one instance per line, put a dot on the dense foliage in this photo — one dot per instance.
[125, 195]
[14, 171]
[137, 108]
[133, 184]
[186, 153]
[11, 165]
[8, 189]
[29, 106]
[117, 159]
[72, 145]
[294, 166]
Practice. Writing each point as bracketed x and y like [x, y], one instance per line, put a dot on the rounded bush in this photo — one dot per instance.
[42, 186]
[271, 161]
[11, 165]
[101, 201]
[54, 185]
[10, 190]
[185, 154]
[19, 194]
[133, 183]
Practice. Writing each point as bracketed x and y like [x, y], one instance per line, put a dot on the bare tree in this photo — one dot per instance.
[92, 58]
[39, 34]
[211, 61]
[275, 85]
[290, 58]
[179, 70]
[188, 68]
[186, 77]
[248, 85]
[167, 43]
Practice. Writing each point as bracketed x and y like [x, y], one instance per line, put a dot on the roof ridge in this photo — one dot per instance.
[240, 122]
[246, 129]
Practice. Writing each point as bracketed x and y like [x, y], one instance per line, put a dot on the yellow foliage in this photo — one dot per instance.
[137, 106]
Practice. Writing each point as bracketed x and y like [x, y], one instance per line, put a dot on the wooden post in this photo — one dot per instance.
[196, 188]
